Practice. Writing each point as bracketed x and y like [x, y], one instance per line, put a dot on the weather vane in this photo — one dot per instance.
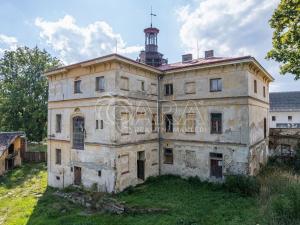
[152, 14]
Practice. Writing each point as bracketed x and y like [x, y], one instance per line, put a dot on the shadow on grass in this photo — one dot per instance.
[21, 174]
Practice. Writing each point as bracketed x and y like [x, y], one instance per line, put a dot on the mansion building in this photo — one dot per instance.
[113, 121]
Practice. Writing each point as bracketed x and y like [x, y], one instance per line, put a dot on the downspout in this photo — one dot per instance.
[159, 123]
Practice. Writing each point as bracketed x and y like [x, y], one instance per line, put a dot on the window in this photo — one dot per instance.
[58, 123]
[169, 123]
[101, 124]
[216, 123]
[265, 127]
[153, 89]
[190, 87]
[273, 118]
[190, 123]
[124, 84]
[168, 89]
[58, 156]
[215, 85]
[97, 124]
[290, 118]
[78, 133]
[99, 173]
[140, 123]
[216, 165]
[168, 156]
[153, 122]
[124, 126]
[255, 86]
[100, 84]
[154, 157]
[142, 85]
[77, 84]
[264, 91]
[124, 164]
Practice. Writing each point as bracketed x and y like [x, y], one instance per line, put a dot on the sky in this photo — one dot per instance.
[82, 29]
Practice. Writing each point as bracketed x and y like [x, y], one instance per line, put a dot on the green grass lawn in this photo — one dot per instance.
[25, 199]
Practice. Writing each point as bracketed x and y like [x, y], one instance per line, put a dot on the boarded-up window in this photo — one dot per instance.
[124, 123]
[58, 156]
[191, 159]
[190, 87]
[153, 89]
[154, 156]
[140, 123]
[168, 156]
[190, 123]
[124, 83]
[216, 123]
[100, 84]
[153, 122]
[58, 123]
[124, 164]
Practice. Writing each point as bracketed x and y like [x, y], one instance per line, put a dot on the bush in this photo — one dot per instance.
[286, 207]
[244, 185]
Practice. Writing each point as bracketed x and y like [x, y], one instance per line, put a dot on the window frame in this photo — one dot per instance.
[171, 155]
[255, 86]
[57, 156]
[290, 118]
[169, 123]
[98, 86]
[58, 123]
[273, 118]
[168, 89]
[77, 87]
[193, 130]
[219, 85]
[220, 129]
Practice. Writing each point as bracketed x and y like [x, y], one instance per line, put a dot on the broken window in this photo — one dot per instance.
[190, 87]
[168, 89]
[255, 86]
[190, 123]
[153, 122]
[58, 156]
[58, 123]
[78, 132]
[216, 85]
[216, 123]
[77, 84]
[168, 156]
[124, 83]
[100, 84]
[140, 123]
[124, 164]
[169, 123]
[191, 161]
[124, 125]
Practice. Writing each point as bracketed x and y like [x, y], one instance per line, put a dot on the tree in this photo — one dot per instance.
[286, 37]
[24, 92]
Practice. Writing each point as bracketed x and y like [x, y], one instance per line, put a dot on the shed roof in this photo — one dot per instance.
[6, 138]
[285, 101]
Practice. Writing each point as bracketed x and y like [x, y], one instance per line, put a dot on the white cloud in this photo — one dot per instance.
[231, 27]
[74, 43]
[7, 43]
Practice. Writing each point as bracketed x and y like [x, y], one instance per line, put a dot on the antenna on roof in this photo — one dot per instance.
[151, 15]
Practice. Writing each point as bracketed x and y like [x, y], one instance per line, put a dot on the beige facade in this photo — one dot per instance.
[146, 121]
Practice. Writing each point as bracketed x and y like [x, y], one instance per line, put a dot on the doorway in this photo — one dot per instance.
[77, 175]
[141, 165]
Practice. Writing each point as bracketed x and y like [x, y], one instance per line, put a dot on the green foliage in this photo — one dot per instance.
[286, 37]
[244, 185]
[286, 207]
[24, 92]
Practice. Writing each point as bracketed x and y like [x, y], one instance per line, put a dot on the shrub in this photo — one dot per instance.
[286, 207]
[244, 185]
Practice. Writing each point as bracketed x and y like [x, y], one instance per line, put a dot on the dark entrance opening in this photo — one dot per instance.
[216, 165]
[141, 165]
[11, 149]
[77, 175]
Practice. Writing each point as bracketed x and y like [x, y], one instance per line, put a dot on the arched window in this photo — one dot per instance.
[78, 132]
